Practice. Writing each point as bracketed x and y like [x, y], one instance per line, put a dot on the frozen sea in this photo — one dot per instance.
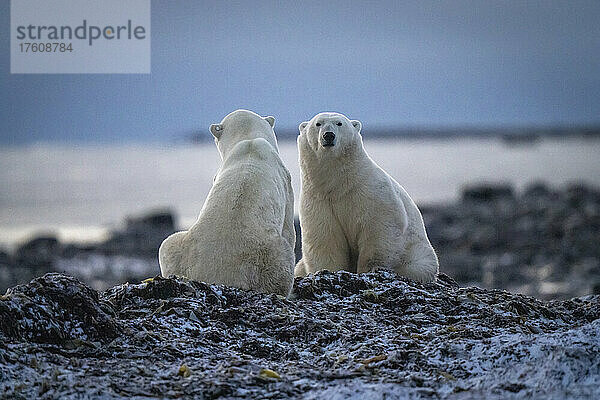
[78, 192]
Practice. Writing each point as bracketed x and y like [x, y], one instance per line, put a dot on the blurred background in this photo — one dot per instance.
[487, 112]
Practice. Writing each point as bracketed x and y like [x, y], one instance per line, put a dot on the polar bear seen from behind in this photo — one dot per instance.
[353, 215]
[244, 235]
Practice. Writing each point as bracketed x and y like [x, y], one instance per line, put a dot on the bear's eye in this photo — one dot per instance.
[339, 124]
[318, 124]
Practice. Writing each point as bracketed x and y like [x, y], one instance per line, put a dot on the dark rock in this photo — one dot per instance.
[464, 266]
[537, 190]
[159, 220]
[54, 308]
[141, 236]
[40, 252]
[5, 259]
[578, 194]
[159, 288]
[72, 250]
[340, 284]
[487, 192]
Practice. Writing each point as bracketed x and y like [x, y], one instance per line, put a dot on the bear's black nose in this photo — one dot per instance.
[328, 138]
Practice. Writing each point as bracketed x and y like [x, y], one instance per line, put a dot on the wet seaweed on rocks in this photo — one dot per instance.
[54, 308]
[339, 335]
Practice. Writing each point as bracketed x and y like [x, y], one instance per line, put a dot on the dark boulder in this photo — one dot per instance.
[141, 236]
[40, 252]
[578, 194]
[55, 308]
[537, 190]
[157, 220]
[487, 192]
[5, 259]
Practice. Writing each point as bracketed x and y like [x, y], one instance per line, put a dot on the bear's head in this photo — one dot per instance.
[242, 125]
[330, 134]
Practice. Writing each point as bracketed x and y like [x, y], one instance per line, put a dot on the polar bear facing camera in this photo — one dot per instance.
[244, 235]
[353, 215]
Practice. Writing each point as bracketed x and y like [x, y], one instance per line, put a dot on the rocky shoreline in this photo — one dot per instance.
[128, 254]
[339, 336]
[540, 241]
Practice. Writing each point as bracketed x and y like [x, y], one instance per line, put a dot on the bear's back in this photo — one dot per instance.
[249, 192]
[238, 236]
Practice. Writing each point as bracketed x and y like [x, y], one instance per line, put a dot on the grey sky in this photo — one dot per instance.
[387, 63]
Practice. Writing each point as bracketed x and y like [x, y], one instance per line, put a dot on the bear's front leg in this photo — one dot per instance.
[373, 252]
[324, 245]
[368, 261]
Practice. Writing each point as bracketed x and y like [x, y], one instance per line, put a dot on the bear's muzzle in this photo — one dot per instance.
[328, 139]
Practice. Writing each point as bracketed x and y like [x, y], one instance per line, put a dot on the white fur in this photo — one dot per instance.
[353, 215]
[244, 236]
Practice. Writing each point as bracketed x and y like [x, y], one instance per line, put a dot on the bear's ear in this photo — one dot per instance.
[216, 130]
[302, 126]
[356, 124]
[270, 120]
